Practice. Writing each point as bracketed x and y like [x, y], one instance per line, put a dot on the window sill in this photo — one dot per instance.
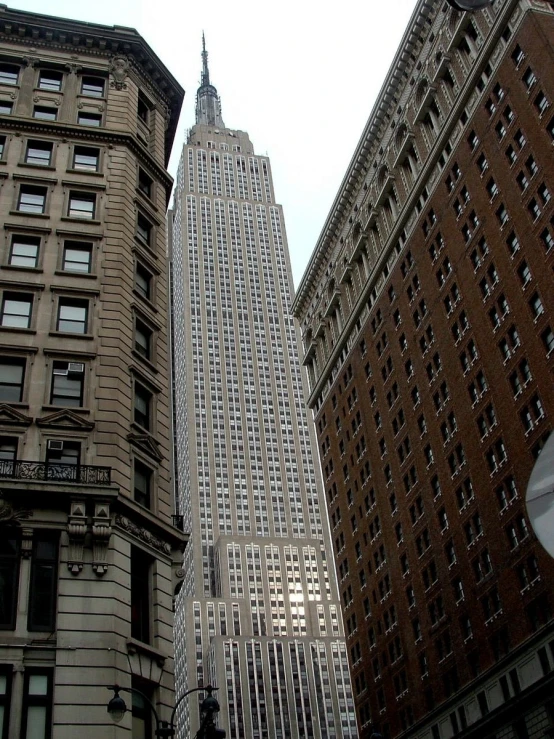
[88, 172]
[88, 221]
[19, 267]
[71, 273]
[27, 214]
[151, 366]
[134, 646]
[145, 301]
[17, 330]
[42, 167]
[69, 335]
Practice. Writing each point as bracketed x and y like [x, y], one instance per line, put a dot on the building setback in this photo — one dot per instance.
[427, 315]
[258, 614]
[87, 547]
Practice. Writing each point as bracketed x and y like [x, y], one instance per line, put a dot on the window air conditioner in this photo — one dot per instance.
[76, 368]
[54, 445]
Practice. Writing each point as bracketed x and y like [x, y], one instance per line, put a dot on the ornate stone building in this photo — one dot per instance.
[427, 314]
[88, 545]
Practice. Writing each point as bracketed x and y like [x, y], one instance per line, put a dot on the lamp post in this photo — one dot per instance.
[166, 729]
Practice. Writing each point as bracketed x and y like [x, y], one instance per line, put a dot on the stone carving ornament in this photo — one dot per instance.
[142, 534]
[119, 69]
[10, 515]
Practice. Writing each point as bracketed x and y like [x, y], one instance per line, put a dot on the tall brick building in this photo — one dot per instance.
[88, 549]
[427, 313]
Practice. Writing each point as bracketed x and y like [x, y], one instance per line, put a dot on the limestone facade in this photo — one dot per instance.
[90, 549]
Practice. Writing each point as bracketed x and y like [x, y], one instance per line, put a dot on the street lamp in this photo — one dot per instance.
[166, 729]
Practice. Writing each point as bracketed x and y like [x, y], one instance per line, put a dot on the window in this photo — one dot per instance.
[511, 155]
[482, 164]
[529, 78]
[62, 459]
[82, 205]
[2, 146]
[44, 583]
[11, 379]
[473, 140]
[143, 339]
[145, 183]
[541, 103]
[547, 337]
[502, 215]
[72, 316]
[8, 453]
[32, 199]
[536, 305]
[143, 109]
[89, 119]
[144, 229]
[9, 74]
[9, 577]
[16, 310]
[37, 704]
[86, 158]
[44, 113]
[5, 108]
[67, 384]
[141, 565]
[50, 80]
[92, 87]
[142, 406]
[143, 281]
[77, 256]
[142, 483]
[39, 153]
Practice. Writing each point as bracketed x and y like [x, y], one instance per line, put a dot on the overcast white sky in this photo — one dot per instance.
[300, 76]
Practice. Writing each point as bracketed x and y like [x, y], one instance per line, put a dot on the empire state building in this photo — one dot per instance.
[258, 614]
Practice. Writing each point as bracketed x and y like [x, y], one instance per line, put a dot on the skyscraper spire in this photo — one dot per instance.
[208, 105]
[205, 70]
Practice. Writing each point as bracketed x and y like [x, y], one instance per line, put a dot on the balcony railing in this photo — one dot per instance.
[19, 469]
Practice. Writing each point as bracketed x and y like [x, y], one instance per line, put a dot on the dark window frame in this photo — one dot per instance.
[77, 197]
[22, 240]
[45, 113]
[143, 399]
[38, 146]
[13, 362]
[93, 86]
[13, 297]
[30, 191]
[91, 153]
[65, 302]
[81, 247]
[65, 384]
[49, 85]
[43, 590]
[10, 563]
[143, 476]
[30, 701]
[141, 595]
[9, 74]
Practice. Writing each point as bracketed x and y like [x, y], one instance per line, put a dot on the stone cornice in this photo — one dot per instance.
[97, 135]
[400, 68]
[92, 39]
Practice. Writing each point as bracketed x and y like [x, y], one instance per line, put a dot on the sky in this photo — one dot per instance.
[300, 77]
